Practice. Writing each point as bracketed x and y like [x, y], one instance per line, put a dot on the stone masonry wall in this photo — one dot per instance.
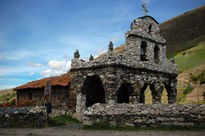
[143, 115]
[23, 117]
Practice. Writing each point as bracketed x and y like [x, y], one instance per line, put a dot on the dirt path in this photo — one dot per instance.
[63, 131]
[193, 95]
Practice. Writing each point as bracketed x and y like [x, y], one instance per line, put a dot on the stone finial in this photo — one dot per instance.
[77, 54]
[110, 46]
[91, 58]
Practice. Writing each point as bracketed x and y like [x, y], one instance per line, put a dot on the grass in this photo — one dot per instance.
[105, 126]
[191, 58]
[62, 121]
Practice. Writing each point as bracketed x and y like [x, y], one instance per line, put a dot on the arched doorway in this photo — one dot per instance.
[124, 93]
[156, 53]
[94, 91]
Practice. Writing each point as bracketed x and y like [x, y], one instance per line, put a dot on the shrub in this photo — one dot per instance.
[203, 94]
[14, 103]
[200, 77]
[188, 90]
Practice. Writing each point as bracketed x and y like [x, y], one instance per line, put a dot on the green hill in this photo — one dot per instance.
[184, 31]
[190, 58]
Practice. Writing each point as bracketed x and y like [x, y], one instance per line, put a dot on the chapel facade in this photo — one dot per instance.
[123, 77]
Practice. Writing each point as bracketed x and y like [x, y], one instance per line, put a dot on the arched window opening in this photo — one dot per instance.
[143, 51]
[156, 54]
[94, 91]
[124, 93]
[150, 28]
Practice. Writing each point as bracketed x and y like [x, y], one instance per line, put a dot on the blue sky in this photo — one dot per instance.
[38, 37]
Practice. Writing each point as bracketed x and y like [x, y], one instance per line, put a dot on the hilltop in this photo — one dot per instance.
[184, 31]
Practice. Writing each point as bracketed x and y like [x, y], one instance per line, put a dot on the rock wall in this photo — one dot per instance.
[143, 115]
[23, 117]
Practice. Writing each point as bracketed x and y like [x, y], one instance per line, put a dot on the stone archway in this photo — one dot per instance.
[124, 93]
[156, 92]
[94, 91]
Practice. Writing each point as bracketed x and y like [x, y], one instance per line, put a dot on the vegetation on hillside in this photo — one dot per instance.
[7, 96]
[184, 31]
[200, 77]
[188, 59]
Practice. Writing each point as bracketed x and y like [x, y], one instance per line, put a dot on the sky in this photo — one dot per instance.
[39, 37]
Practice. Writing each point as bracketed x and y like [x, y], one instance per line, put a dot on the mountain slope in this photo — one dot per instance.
[184, 31]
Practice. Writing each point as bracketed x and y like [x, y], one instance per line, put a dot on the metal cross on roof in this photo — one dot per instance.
[144, 7]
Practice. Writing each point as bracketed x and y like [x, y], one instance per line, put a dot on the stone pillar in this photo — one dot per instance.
[157, 90]
[172, 91]
[162, 53]
[150, 51]
[80, 105]
[137, 88]
[110, 87]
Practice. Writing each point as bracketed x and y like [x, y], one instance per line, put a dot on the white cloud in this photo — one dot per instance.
[34, 64]
[57, 64]
[68, 65]
[56, 68]
[18, 70]
[31, 73]
[115, 39]
[50, 72]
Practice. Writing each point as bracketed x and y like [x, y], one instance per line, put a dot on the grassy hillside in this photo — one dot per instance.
[7, 95]
[191, 58]
[184, 31]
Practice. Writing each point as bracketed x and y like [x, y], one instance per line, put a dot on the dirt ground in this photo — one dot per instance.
[64, 131]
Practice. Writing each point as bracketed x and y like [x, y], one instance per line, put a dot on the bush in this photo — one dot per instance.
[188, 90]
[203, 94]
[14, 103]
[200, 77]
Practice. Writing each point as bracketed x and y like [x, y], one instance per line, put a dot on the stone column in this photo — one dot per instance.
[137, 91]
[150, 51]
[157, 89]
[110, 87]
[162, 53]
[172, 91]
[80, 105]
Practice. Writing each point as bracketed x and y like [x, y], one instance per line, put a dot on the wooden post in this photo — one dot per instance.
[198, 85]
